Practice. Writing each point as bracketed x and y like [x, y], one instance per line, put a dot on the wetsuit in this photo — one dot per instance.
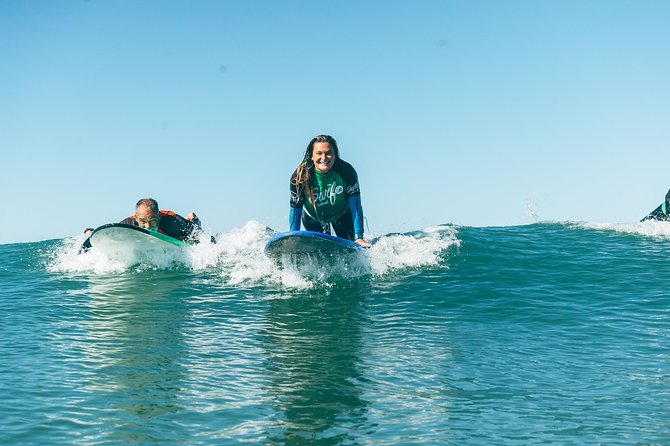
[337, 202]
[661, 213]
[171, 224]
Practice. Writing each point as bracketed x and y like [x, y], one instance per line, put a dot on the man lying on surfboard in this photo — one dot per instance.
[149, 216]
[327, 188]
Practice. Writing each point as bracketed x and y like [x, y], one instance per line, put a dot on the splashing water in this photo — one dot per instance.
[238, 258]
[417, 249]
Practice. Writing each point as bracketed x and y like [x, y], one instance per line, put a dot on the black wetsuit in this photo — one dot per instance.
[661, 213]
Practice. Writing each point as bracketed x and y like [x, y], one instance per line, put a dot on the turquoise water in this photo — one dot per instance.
[539, 334]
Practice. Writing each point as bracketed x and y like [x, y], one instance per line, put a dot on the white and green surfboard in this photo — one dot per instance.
[118, 239]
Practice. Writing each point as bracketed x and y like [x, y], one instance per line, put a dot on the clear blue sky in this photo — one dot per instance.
[464, 112]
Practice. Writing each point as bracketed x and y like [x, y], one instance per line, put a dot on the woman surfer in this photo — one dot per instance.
[326, 188]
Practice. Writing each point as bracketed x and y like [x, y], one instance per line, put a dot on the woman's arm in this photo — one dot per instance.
[294, 216]
[354, 202]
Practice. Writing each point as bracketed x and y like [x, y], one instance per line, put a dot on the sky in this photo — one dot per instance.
[477, 113]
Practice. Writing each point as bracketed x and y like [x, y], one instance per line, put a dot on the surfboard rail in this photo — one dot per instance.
[305, 242]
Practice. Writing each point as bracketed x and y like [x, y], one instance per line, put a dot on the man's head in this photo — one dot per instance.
[147, 214]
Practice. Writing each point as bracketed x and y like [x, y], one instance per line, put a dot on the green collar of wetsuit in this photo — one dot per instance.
[326, 175]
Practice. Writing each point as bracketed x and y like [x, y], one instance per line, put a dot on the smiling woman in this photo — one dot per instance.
[327, 188]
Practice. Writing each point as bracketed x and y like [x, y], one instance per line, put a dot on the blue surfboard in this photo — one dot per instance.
[307, 242]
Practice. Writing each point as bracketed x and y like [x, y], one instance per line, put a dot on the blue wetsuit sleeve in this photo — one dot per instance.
[354, 202]
[294, 216]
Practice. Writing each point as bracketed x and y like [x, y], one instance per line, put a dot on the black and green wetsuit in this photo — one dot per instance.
[336, 202]
[662, 212]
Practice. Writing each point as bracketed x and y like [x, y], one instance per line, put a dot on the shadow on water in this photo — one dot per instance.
[313, 347]
[135, 351]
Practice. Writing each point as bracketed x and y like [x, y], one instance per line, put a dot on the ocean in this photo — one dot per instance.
[548, 333]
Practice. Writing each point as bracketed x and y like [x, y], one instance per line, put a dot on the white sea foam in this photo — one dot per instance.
[417, 249]
[239, 258]
[66, 258]
[649, 228]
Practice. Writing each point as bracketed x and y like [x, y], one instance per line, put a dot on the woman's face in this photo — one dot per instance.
[323, 157]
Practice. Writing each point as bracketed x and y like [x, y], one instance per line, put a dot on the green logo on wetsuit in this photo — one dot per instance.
[329, 196]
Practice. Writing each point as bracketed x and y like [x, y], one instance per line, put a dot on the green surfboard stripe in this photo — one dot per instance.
[168, 239]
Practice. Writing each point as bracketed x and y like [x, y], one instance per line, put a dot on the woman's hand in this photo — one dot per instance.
[363, 243]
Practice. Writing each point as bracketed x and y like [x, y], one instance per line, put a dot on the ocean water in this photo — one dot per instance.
[549, 333]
